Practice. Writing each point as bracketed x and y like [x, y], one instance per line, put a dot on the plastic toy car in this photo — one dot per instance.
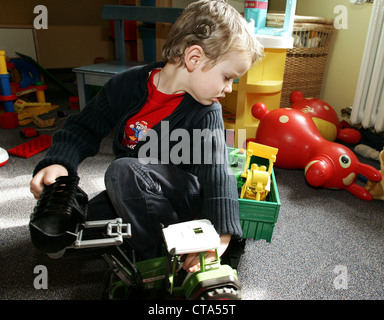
[58, 226]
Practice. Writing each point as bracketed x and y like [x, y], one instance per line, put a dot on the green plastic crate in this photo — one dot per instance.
[258, 218]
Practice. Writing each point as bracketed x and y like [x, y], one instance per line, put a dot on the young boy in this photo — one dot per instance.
[161, 108]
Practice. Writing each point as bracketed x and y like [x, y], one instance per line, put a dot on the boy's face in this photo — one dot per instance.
[210, 85]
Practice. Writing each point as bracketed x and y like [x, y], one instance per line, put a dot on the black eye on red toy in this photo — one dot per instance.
[344, 161]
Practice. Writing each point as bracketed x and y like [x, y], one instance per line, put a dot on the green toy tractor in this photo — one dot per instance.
[58, 226]
[164, 276]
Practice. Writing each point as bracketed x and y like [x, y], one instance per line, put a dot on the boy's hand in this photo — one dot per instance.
[45, 177]
[192, 262]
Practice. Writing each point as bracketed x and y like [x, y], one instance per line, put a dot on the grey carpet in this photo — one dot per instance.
[319, 232]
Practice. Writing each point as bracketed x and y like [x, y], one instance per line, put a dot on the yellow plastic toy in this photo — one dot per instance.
[21, 104]
[258, 178]
[256, 185]
[6, 96]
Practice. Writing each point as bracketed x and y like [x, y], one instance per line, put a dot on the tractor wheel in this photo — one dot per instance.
[223, 293]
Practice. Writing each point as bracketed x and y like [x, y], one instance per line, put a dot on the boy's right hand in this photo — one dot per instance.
[46, 177]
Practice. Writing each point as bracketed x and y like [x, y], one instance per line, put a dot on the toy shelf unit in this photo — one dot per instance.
[263, 82]
[257, 218]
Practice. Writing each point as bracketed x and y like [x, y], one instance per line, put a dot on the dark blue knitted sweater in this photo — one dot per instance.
[203, 148]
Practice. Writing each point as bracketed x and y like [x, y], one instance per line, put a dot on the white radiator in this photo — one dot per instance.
[368, 105]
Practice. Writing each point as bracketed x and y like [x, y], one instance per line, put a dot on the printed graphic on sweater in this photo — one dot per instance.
[158, 106]
[134, 132]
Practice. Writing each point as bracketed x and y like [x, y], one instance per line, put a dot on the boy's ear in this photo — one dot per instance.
[193, 57]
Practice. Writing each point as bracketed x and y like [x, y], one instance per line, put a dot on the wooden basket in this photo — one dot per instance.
[305, 62]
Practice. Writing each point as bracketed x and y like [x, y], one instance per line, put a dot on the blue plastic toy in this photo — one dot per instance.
[255, 12]
[30, 73]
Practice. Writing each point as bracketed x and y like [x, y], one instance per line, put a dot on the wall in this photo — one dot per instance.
[76, 34]
[346, 50]
[72, 46]
[60, 12]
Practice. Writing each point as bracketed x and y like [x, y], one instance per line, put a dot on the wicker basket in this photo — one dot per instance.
[305, 62]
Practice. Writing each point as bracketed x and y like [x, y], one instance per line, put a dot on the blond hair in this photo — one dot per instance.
[215, 26]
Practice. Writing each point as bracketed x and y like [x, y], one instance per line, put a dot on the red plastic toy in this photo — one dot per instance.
[325, 118]
[9, 120]
[327, 164]
[28, 133]
[32, 147]
[3, 157]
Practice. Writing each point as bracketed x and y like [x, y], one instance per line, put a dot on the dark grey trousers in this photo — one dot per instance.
[146, 196]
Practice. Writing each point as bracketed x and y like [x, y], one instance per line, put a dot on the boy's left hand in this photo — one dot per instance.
[192, 262]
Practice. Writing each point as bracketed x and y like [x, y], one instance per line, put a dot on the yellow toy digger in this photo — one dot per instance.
[257, 183]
